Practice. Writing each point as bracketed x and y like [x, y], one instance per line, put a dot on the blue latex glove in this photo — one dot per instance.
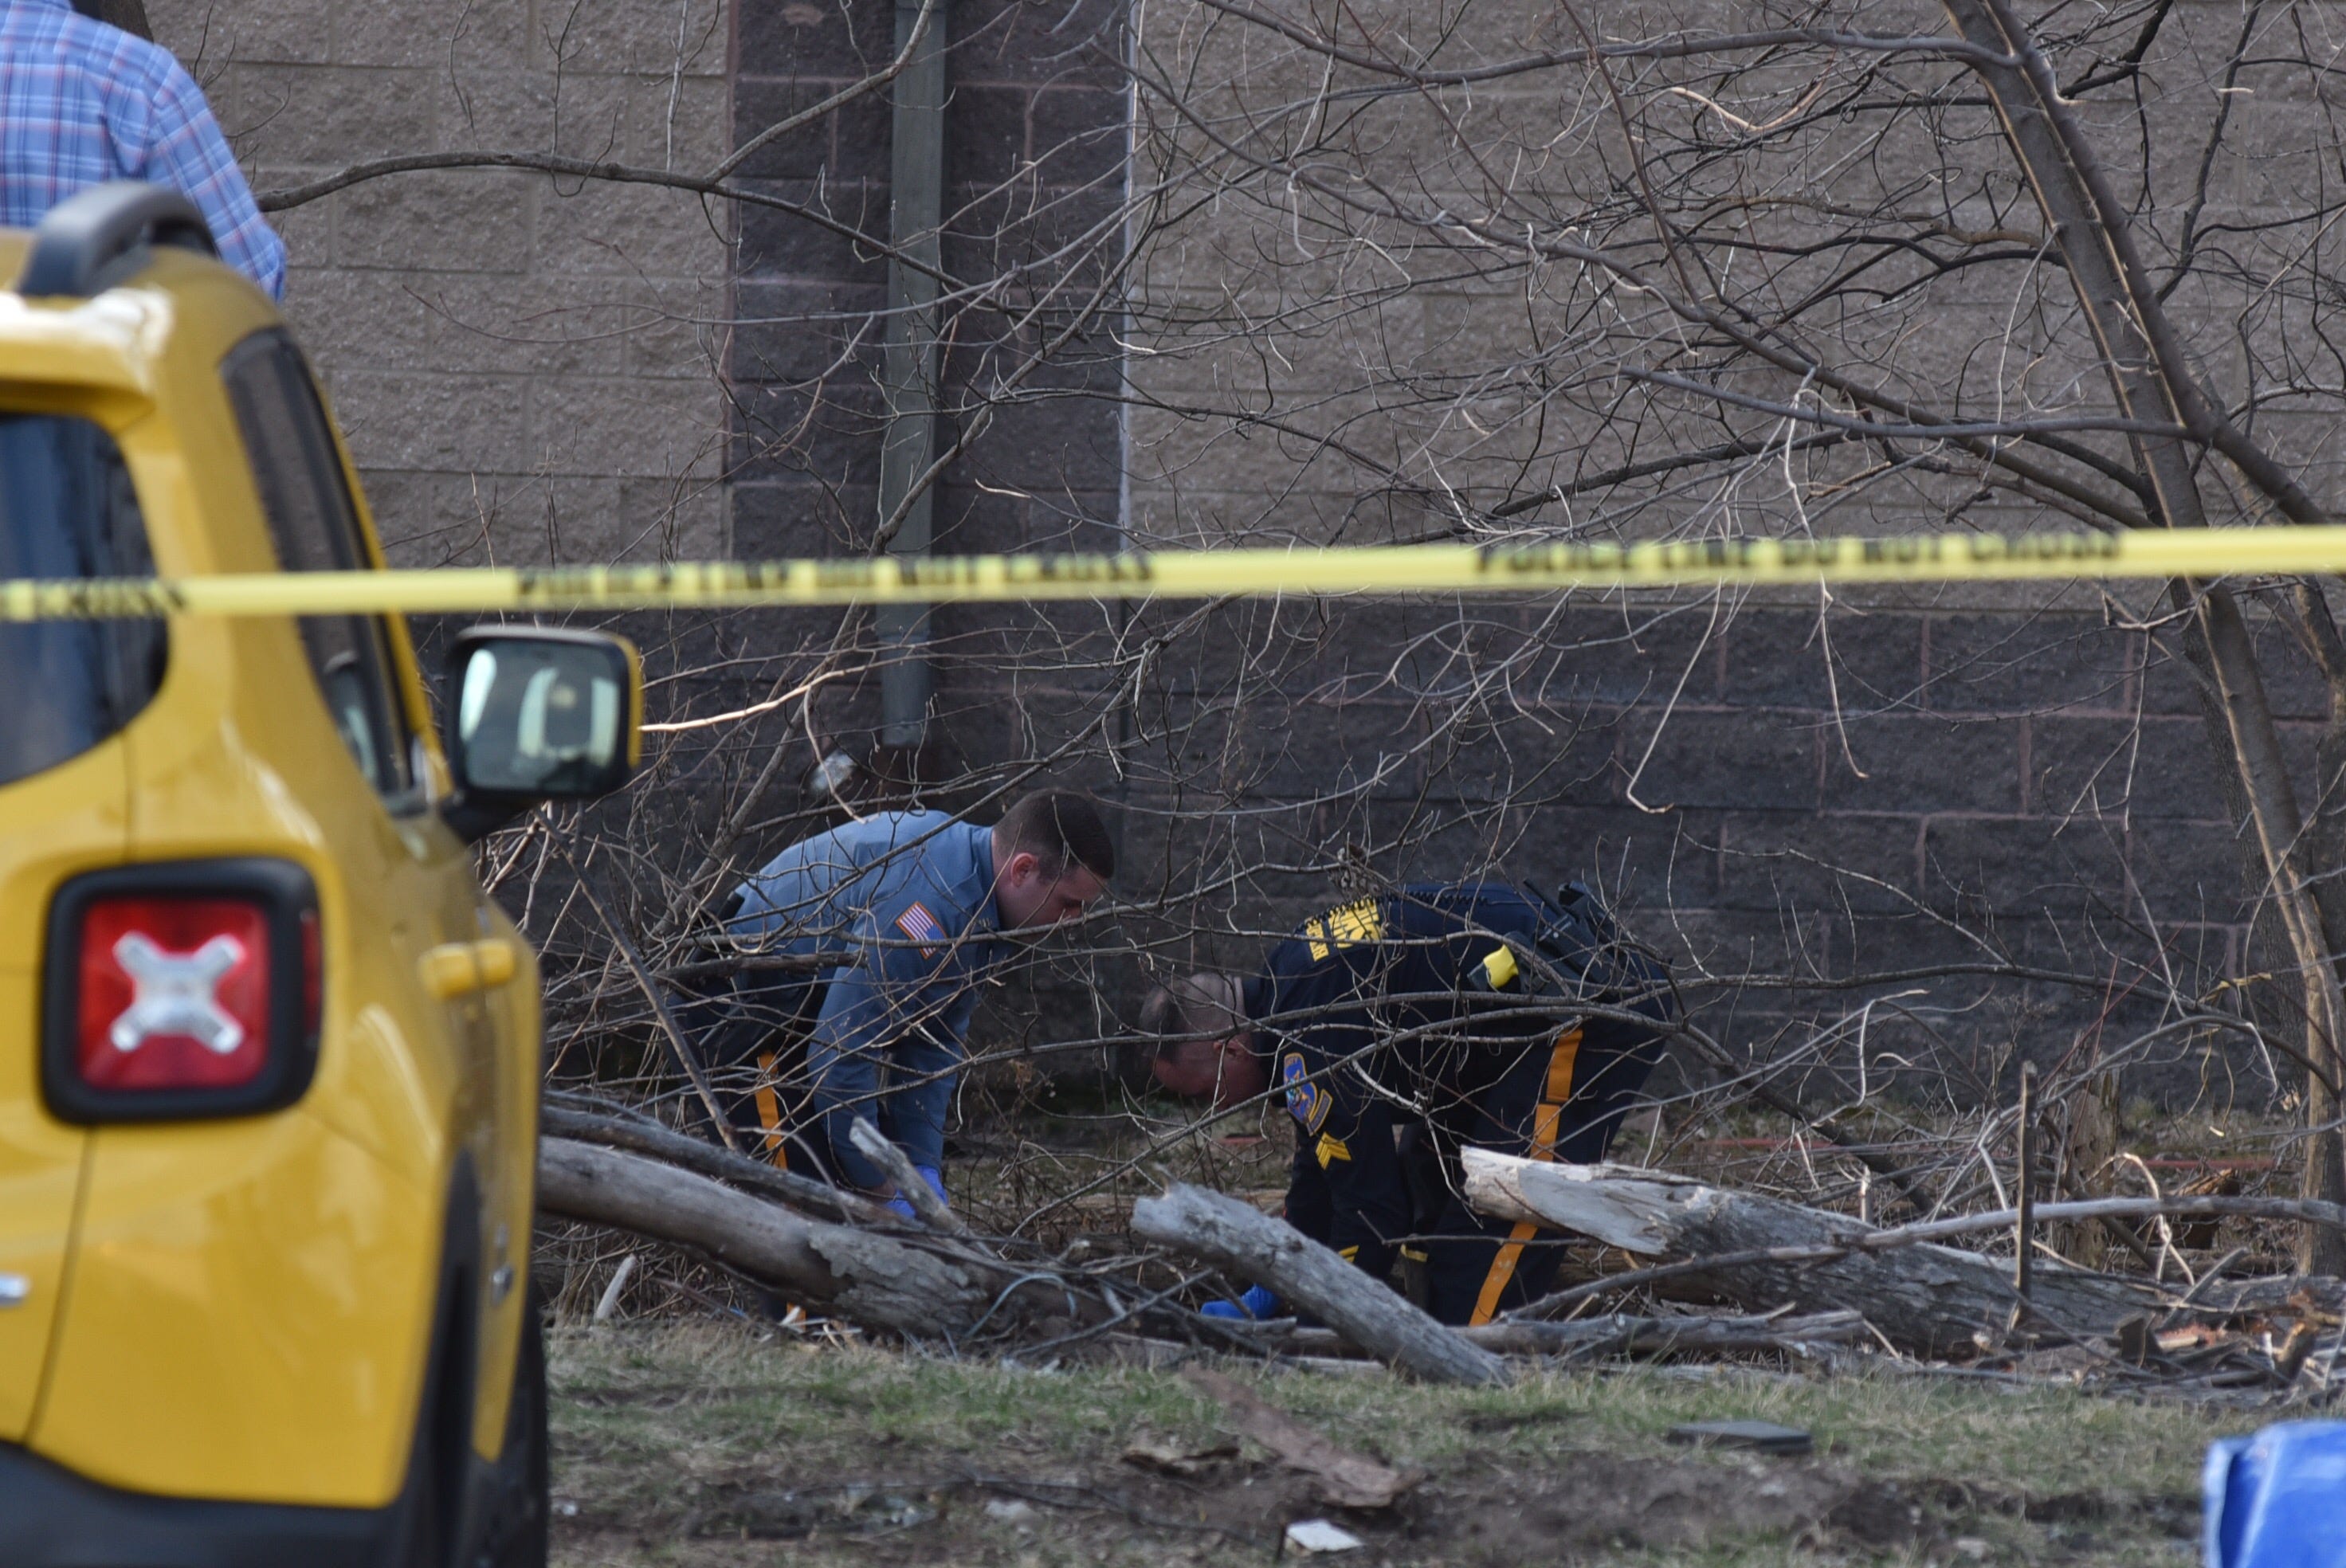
[1258, 1304]
[929, 1174]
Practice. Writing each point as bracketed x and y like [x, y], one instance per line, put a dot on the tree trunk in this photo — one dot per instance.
[869, 1278]
[2325, 851]
[643, 1136]
[1924, 1297]
[2151, 384]
[2088, 1144]
[1246, 1242]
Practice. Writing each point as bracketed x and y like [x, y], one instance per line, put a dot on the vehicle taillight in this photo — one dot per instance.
[174, 992]
[189, 988]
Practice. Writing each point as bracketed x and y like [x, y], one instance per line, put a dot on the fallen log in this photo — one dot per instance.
[1763, 1252]
[861, 1275]
[2196, 1205]
[1622, 1334]
[1248, 1243]
[1699, 1336]
[643, 1136]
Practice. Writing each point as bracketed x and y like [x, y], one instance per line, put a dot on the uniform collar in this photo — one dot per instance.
[985, 858]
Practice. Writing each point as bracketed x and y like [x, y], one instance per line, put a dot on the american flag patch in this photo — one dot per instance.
[918, 923]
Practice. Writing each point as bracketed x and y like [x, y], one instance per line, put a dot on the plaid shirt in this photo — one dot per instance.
[82, 103]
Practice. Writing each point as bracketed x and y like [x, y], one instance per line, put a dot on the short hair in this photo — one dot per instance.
[1060, 829]
[1200, 1006]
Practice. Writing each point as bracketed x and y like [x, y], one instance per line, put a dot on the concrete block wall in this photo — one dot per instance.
[1034, 148]
[1946, 793]
[1923, 783]
[526, 365]
[1446, 370]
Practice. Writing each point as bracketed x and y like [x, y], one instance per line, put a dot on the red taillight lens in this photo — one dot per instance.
[180, 989]
[174, 993]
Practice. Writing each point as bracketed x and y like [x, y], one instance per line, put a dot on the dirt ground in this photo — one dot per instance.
[709, 1445]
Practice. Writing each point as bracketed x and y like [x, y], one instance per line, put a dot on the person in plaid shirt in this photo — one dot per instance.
[82, 103]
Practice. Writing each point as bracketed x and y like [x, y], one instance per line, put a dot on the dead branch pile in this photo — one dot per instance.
[1796, 1281]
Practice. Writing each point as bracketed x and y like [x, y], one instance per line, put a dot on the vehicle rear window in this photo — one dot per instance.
[68, 510]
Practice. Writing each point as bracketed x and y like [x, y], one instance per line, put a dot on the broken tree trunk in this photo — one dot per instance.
[1922, 1297]
[638, 1135]
[1248, 1243]
[859, 1275]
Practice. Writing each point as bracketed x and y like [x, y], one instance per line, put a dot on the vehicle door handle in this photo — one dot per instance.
[456, 969]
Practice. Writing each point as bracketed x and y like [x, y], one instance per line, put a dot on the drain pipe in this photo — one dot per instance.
[909, 366]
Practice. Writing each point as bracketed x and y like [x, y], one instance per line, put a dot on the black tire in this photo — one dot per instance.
[423, 1540]
[425, 1536]
[514, 1535]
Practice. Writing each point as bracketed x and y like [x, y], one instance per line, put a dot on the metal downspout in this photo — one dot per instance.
[909, 367]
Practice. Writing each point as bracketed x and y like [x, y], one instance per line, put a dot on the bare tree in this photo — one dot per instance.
[1753, 267]
[1457, 270]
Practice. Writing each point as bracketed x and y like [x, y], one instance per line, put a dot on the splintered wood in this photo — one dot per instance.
[1924, 1297]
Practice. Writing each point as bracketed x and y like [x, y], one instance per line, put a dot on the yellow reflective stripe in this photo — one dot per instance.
[1503, 1270]
[1204, 574]
[1562, 1059]
[1563, 1056]
[769, 1113]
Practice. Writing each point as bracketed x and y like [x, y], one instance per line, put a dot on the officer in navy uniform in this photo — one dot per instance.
[865, 946]
[1404, 1026]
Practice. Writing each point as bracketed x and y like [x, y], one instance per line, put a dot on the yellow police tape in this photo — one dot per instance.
[1202, 574]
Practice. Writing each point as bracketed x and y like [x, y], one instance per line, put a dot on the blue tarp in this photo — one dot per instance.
[2277, 1499]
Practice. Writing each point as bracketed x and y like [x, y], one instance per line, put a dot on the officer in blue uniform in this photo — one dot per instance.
[1400, 1027]
[865, 946]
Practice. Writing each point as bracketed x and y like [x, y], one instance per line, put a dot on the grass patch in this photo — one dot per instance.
[703, 1445]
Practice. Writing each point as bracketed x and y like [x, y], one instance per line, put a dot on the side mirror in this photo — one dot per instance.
[534, 714]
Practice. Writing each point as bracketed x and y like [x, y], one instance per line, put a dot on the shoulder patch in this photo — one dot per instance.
[1307, 1102]
[918, 923]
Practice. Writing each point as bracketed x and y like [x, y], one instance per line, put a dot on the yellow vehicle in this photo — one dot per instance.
[268, 1055]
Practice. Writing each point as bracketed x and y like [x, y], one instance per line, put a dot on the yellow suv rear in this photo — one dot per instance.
[268, 1055]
